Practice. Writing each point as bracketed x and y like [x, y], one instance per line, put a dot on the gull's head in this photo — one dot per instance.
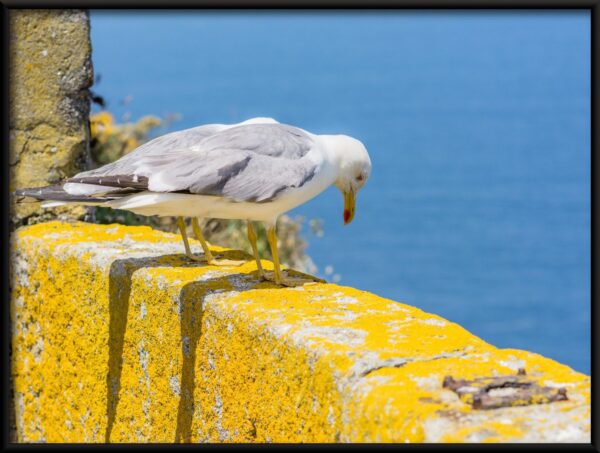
[354, 168]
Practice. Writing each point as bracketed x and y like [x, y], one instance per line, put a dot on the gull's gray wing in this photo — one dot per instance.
[254, 162]
[184, 139]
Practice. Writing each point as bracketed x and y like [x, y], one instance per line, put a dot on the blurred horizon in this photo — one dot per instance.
[478, 127]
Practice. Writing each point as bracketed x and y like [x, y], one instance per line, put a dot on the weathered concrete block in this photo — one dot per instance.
[50, 74]
[117, 337]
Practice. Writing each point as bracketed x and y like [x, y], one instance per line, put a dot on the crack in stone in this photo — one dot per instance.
[401, 362]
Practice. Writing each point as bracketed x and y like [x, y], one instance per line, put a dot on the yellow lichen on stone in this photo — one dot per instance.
[50, 74]
[118, 337]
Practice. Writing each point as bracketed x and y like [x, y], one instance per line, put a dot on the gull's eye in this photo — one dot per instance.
[360, 177]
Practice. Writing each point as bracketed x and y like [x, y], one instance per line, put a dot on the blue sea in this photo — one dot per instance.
[478, 127]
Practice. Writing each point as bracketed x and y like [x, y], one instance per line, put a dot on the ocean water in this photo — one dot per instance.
[478, 127]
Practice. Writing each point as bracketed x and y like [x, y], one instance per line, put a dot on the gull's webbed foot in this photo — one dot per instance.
[290, 281]
[225, 262]
[212, 261]
[197, 259]
[209, 257]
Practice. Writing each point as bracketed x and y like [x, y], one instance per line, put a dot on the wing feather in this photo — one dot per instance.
[252, 162]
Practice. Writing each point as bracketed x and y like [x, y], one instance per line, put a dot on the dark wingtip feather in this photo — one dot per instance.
[119, 181]
[41, 193]
[56, 193]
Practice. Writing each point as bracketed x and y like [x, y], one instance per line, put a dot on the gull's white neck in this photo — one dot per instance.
[333, 149]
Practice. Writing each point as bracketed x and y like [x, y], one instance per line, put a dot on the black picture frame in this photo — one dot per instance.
[7, 5]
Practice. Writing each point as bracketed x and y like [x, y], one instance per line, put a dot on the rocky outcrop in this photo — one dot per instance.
[118, 337]
[50, 75]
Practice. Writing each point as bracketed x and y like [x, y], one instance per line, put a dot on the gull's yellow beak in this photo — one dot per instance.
[349, 206]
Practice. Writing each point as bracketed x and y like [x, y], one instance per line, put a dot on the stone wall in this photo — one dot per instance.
[50, 75]
[119, 338]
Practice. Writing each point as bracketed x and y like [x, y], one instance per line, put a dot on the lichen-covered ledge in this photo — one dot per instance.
[117, 337]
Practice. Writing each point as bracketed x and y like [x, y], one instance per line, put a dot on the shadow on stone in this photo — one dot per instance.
[191, 314]
[120, 275]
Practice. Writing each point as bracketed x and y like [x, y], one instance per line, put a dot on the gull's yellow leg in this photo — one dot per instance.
[200, 237]
[252, 239]
[279, 280]
[207, 253]
[272, 238]
[188, 251]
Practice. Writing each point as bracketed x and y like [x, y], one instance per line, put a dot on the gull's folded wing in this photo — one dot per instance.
[256, 162]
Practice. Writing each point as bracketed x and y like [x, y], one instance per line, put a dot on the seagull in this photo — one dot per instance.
[255, 170]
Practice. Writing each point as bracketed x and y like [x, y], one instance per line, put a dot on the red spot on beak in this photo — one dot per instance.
[346, 215]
